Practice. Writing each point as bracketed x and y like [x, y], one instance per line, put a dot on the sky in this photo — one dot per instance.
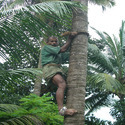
[110, 22]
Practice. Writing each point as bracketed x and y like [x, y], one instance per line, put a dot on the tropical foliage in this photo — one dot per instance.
[118, 112]
[110, 65]
[103, 3]
[21, 33]
[32, 110]
[91, 120]
[106, 73]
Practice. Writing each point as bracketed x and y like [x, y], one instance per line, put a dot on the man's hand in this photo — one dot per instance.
[69, 40]
[72, 35]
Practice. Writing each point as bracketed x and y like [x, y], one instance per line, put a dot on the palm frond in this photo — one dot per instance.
[103, 3]
[6, 5]
[8, 107]
[99, 59]
[26, 71]
[122, 34]
[24, 120]
[24, 26]
[119, 57]
[122, 41]
[15, 75]
[106, 82]
[92, 69]
[107, 39]
[21, 38]
[115, 51]
[95, 101]
[113, 45]
[59, 8]
[14, 84]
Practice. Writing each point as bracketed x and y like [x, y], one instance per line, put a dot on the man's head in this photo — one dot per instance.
[52, 41]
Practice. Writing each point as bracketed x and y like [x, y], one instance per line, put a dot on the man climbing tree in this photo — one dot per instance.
[52, 58]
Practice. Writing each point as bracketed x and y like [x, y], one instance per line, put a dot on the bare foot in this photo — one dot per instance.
[70, 112]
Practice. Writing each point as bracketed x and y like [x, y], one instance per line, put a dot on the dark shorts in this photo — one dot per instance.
[49, 71]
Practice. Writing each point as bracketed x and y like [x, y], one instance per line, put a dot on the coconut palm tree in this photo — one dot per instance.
[84, 34]
[110, 64]
[78, 63]
[108, 70]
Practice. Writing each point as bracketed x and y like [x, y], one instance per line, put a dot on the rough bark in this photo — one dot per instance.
[76, 80]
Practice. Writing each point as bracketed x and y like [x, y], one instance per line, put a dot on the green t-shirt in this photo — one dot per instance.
[50, 54]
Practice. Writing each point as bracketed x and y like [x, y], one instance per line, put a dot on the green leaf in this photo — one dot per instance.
[106, 82]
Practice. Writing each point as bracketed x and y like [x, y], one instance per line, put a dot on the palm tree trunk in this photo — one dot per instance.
[37, 84]
[76, 80]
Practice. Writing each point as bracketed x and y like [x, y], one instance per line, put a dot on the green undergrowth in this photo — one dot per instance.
[33, 110]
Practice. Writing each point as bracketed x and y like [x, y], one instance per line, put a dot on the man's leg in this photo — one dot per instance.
[60, 82]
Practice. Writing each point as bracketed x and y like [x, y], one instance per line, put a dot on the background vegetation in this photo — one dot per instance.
[22, 33]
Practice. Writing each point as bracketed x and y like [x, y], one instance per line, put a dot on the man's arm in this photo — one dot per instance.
[69, 40]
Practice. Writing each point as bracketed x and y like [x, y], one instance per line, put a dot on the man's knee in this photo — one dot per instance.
[59, 81]
[62, 85]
